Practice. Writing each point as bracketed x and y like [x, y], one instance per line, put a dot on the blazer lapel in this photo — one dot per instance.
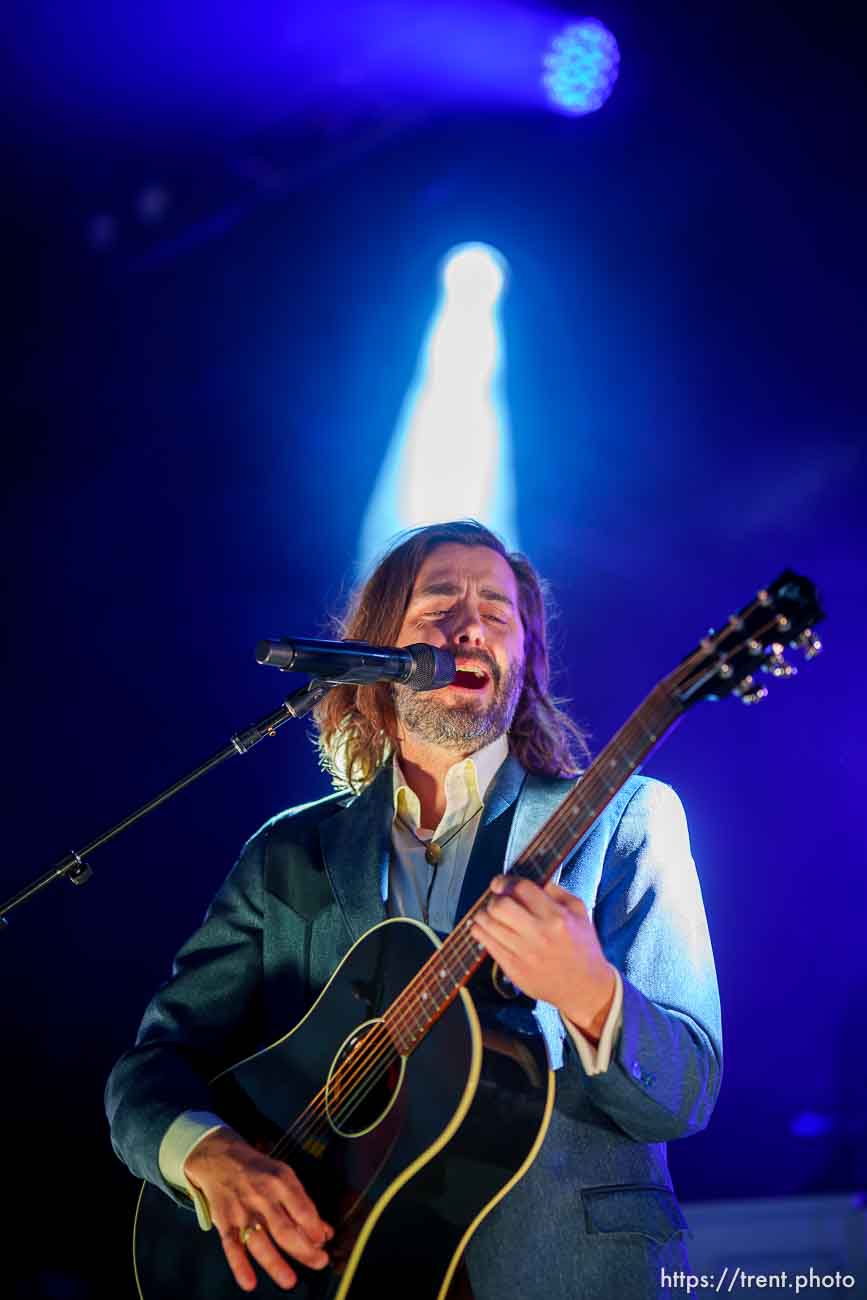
[355, 850]
[540, 799]
[503, 790]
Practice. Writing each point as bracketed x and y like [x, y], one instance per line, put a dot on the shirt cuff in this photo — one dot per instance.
[597, 1059]
[181, 1136]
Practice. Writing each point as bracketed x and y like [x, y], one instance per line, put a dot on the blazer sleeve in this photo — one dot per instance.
[666, 1065]
[207, 1016]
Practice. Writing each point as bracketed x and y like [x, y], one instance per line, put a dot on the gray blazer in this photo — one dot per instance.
[595, 1217]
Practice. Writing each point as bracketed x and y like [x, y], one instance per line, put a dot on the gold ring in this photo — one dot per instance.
[246, 1233]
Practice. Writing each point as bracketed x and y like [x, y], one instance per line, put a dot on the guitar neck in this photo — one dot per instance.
[438, 982]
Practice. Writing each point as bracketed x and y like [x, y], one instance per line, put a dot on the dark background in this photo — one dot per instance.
[197, 407]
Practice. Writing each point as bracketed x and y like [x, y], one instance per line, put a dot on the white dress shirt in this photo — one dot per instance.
[415, 889]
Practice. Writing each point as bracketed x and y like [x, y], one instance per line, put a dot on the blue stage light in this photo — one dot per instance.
[581, 67]
[450, 455]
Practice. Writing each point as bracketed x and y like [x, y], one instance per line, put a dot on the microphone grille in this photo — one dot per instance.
[433, 668]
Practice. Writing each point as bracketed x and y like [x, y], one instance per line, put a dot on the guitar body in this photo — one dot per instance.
[405, 1167]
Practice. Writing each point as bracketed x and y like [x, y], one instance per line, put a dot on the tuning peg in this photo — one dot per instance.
[747, 691]
[809, 643]
[776, 665]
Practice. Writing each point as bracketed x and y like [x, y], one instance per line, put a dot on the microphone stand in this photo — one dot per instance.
[78, 871]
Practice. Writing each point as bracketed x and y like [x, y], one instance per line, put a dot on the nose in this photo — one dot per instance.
[468, 628]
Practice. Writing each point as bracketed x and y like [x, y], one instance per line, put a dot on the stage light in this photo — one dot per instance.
[450, 455]
[474, 273]
[581, 67]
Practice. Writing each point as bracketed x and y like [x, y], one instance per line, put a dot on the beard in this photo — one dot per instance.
[463, 727]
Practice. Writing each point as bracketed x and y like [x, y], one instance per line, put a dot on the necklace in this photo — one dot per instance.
[434, 851]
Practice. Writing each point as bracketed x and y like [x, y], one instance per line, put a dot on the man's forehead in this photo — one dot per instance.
[451, 563]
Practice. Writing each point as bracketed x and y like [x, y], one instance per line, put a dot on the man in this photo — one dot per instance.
[617, 953]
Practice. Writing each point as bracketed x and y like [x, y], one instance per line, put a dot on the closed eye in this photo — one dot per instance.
[441, 613]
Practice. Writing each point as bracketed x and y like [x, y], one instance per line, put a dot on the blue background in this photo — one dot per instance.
[196, 414]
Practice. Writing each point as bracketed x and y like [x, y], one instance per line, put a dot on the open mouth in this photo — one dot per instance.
[471, 678]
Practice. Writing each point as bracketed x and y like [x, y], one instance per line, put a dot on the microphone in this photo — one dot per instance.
[420, 667]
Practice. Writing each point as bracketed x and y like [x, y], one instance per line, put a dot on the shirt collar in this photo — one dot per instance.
[466, 783]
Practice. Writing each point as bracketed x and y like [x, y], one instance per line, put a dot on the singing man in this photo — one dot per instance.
[614, 950]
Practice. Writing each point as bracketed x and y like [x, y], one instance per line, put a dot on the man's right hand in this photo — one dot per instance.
[244, 1188]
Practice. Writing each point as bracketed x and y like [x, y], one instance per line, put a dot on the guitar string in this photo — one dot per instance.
[370, 1052]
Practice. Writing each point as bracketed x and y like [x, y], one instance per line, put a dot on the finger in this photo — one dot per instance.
[237, 1257]
[499, 924]
[507, 912]
[501, 942]
[559, 895]
[261, 1247]
[291, 1238]
[503, 956]
[301, 1209]
[532, 897]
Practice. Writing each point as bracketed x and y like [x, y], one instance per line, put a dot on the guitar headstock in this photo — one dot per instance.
[734, 660]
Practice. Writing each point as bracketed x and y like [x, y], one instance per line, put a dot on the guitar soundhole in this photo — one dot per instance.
[363, 1081]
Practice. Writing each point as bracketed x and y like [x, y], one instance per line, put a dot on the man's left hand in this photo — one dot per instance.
[545, 942]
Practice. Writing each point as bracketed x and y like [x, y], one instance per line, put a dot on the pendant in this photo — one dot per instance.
[433, 853]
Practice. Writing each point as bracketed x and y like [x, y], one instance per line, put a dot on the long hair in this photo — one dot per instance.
[357, 725]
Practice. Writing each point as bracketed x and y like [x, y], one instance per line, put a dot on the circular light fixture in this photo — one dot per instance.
[581, 67]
